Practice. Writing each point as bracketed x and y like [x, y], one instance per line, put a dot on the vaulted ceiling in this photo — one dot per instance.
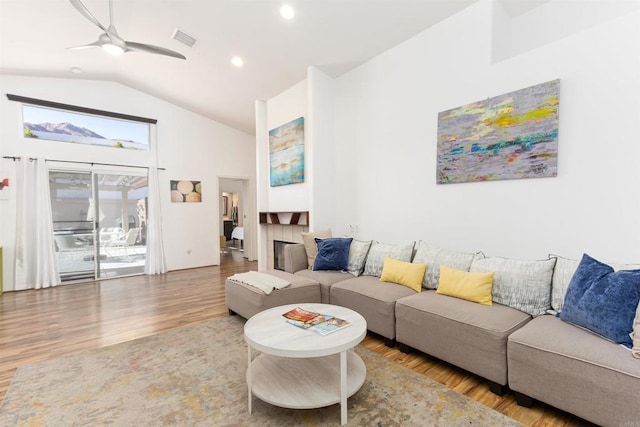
[333, 35]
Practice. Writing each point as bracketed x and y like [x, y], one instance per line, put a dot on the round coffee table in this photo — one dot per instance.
[299, 368]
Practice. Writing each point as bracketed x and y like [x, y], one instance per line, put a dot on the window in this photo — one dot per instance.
[68, 126]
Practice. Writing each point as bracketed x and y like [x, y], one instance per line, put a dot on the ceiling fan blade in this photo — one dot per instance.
[80, 7]
[96, 43]
[141, 47]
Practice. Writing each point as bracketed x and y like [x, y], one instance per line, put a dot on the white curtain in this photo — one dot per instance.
[155, 263]
[36, 265]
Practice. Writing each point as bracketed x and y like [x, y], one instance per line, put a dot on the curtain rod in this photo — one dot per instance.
[14, 158]
[78, 109]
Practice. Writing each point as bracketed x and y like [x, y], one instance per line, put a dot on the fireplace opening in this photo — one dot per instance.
[278, 254]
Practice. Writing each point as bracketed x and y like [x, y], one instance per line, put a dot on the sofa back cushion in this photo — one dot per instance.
[562, 274]
[380, 251]
[603, 300]
[358, 256]
[520, 284]
[636, 335]
[434, 257]
[310, 244]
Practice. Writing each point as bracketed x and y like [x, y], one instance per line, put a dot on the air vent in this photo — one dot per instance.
[183, 37]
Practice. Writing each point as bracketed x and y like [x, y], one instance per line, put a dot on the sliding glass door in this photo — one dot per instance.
[99, 222]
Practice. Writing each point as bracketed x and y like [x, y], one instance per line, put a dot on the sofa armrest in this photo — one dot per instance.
[295, 258]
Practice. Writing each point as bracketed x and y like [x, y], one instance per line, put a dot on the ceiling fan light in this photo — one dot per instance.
[287, 11]
[113, 49]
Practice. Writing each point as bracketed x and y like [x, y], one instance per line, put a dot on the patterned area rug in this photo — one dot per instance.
[195, 376]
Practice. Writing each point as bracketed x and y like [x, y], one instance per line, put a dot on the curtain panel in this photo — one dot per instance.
[155, 263]
[35, 261]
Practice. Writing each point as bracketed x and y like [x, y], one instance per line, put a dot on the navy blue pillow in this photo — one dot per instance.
[333, 253]
[602, 300]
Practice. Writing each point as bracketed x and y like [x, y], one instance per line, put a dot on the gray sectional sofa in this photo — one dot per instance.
[513, 343]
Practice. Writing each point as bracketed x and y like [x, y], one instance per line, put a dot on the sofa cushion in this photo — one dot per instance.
[574, 370]
[326, 279]
[333, 253]
[602, 300]
[563, 272]
[523, 285]
[358, 256]
[309, 241]
[475, 287]
[380, 251]
[403, 273]
[469, 335]
[373, 299]
[246, 300]
[434, 257]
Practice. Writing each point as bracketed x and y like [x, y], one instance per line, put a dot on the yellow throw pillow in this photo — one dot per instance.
[403, 273]
[474, 286]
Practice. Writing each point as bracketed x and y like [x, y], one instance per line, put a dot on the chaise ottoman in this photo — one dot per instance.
[247, 300]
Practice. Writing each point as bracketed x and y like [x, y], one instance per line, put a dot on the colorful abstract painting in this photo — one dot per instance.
[286, 153]
[510, 136]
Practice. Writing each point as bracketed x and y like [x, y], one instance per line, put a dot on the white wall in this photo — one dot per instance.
[189, 147]
[386, 128]
[321, 152]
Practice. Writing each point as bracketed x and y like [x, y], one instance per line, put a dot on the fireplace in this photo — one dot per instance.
[278, 254]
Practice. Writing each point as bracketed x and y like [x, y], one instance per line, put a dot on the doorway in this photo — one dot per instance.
[99, 222]
[235, 227]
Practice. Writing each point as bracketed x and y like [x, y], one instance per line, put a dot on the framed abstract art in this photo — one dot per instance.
[510, 136]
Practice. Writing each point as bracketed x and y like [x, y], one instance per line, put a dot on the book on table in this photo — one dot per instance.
[321, 323]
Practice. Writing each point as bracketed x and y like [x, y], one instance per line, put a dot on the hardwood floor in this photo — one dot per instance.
[45, 324]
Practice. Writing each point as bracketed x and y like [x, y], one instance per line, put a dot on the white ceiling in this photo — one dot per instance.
[333, 35]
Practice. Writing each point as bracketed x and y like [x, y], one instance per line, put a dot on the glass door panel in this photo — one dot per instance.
[72, 224]
[121, 227]
[99, 223]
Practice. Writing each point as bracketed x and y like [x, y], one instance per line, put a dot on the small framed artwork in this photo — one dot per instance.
[186, 191]
[4, 185]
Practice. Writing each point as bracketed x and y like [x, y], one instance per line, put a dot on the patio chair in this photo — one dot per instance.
[129, 239]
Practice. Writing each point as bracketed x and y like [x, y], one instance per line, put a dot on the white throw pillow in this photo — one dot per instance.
[523, 285]
[380, 251]
[358, 256]
[434, 257]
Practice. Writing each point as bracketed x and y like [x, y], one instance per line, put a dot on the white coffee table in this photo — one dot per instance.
[301, 369]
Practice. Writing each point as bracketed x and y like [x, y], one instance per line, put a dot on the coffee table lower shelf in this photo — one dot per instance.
[304, 383]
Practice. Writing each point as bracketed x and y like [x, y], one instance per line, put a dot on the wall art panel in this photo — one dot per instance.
[286, 153]
[510, 136]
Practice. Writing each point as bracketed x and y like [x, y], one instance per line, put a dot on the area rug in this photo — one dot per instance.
[195, 376]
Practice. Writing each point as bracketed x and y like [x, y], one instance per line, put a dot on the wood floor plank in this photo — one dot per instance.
[49, 323]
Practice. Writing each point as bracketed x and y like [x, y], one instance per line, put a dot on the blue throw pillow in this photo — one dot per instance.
[602, 300]
[333, 253]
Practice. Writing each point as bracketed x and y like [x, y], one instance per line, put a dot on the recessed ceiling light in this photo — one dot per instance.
[75, 70]
[287, 12]
[237, 61]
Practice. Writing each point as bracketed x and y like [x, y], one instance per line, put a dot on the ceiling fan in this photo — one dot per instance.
[111, 42]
